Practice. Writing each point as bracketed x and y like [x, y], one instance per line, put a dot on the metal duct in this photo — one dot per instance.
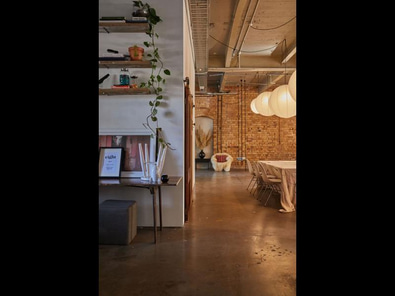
[199, 22]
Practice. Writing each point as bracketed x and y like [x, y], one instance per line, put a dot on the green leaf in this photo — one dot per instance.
[152, 11]
[153, 118]
[166, 71]
[137, 4]
[159, 97]
[159, 78]
[150, 103]
[157, 103]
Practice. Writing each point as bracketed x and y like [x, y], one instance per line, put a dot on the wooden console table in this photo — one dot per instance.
[153, 188]
[203, 160]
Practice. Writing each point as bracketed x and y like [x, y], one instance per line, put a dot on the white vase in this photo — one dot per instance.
[153, 172]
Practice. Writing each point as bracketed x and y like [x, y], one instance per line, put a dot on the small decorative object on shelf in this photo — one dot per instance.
[136, 53]
[124, 77]
[202, 154]
[134, 81]
[140, 10]
[102, 79]
[164, 178]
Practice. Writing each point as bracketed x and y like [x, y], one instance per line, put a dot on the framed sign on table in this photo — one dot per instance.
[110, 161]
[129, 140]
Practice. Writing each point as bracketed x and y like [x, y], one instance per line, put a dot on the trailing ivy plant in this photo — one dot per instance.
[155, 81]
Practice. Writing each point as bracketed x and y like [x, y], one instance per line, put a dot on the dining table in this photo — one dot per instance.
[286, 171]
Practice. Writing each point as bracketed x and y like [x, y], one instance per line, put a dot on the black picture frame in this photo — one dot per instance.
[110, 162]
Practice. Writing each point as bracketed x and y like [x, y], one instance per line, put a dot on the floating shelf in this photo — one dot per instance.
[108, 27]
[123, 91]
[124, 64]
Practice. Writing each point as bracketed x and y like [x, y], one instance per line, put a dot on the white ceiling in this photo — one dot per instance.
[243, 41]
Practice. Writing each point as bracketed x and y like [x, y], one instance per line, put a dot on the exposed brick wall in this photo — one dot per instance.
[263, 137]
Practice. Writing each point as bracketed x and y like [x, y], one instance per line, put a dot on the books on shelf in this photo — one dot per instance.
[112, 54]
[108, 56]
[113, 59]
[120, 86]
[137, 19]
[113, 19]
[122, 19]
[116, 21]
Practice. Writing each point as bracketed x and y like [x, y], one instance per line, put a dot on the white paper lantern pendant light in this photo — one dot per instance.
[292, 85]
[262, 104]
[281, 102]
[253, 107]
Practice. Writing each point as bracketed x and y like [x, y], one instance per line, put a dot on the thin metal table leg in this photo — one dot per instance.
[152, 190]
[160, 208]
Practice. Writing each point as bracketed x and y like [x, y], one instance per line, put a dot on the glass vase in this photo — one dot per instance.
[153, 172]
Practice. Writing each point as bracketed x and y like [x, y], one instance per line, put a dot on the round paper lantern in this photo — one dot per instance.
[253, 107]
[281, 102]
[262, 104]
[292, 85]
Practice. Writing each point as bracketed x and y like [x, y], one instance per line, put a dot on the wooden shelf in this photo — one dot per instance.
[124, 64]
[123, 91]
[108, 27]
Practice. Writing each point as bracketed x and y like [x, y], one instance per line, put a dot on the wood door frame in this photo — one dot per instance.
[188, 132]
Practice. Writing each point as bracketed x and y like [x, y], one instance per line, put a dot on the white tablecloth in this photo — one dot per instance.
[286, 171]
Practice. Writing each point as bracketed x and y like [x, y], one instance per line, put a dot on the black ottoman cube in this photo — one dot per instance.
[117, 222]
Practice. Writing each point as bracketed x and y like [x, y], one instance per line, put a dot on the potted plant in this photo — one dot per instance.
[155, 81]
[136, 53]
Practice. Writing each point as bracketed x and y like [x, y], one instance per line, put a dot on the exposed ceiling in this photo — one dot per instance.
[243, 41]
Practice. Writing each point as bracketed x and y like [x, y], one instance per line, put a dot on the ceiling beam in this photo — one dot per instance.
[289, 55]
[243, 70]
[236, 30]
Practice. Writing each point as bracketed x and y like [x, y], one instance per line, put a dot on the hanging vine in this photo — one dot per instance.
[156, 81]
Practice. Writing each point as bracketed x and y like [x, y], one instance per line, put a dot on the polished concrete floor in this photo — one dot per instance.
[231, 245]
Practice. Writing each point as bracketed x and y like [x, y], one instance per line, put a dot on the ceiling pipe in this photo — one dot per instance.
[199, 22]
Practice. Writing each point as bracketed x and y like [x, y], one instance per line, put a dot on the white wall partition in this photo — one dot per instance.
[124, 112]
